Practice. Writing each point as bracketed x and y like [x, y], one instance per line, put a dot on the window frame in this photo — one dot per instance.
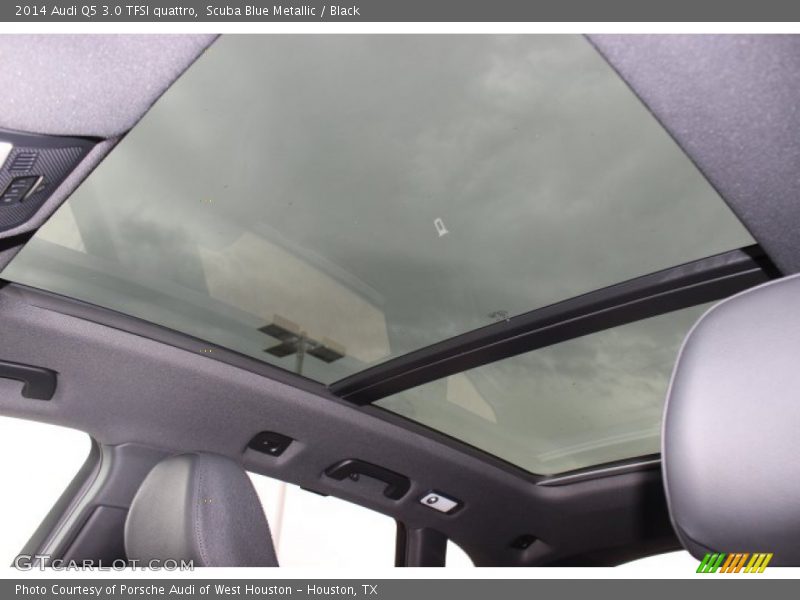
[705, 280]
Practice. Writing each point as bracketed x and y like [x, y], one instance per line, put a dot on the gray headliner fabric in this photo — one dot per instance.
[733, 103]
[199, 507]
[731, 429]
[88, 85]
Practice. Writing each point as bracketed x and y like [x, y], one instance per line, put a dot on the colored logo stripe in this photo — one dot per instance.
[711, 562]
[758, 563]
[734, 563]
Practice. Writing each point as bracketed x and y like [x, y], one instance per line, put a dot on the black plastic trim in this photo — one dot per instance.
[400, 543]
[14, 242]
[46, 160]
[693, 283]
[38, 383]
[420, 547]
[270, 443]
[45, 141]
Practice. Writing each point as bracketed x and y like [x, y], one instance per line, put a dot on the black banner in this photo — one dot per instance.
[401, 11]
[732, 587]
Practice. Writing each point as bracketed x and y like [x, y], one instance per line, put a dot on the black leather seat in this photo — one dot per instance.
[199, 507]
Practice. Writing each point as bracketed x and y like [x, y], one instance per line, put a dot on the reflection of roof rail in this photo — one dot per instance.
[295, 341]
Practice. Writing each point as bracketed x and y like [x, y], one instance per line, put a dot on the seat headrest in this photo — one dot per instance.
[199, 507]
[732, 427]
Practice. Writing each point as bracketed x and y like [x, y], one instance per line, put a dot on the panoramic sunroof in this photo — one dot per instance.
[590, 400]
[327, 203]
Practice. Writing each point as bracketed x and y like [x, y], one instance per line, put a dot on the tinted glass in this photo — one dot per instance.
[325, 203]
[583, 402]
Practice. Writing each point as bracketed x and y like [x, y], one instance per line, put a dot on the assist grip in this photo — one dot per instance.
[397, 485]
[38, 383]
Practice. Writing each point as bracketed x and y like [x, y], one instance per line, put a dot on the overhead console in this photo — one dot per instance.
[33, 166]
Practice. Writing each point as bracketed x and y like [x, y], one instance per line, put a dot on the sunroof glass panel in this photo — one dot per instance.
[587, 401]
[326, 203]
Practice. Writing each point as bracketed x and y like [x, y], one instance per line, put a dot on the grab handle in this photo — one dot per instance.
[38, 383]
[397, 485]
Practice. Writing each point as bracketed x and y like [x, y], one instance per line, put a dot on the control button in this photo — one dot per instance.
[270, 443]
[20, 188]
[24, 161]
[440, 502]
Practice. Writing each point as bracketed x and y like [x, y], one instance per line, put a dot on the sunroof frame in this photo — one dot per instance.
[697, 282]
